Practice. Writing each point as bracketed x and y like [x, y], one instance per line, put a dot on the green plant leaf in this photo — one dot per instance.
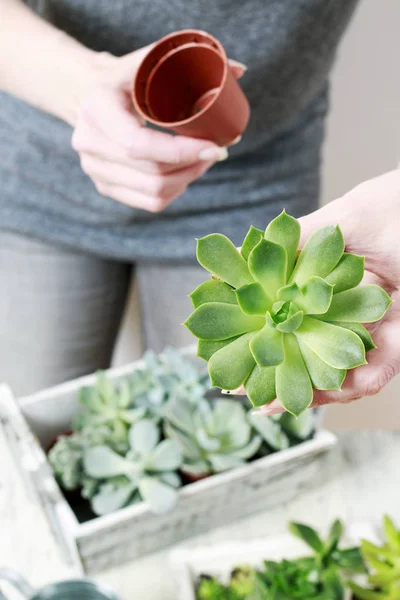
[360, 330]
[166, 456]
[218, 321]
[144, 436]
[348, 273]
[340, 348]
[350, 560]
[293, 384]
[317, 296]
[213, 291]
[299, 427]
[270, 431]
[160, 496]
[334, 537]
[252, 299]
[224, 462]
[106, 502]
[267, 347]
[292, 322]
[267, 263]
[320, 255]
[218, 255]
[323, 376]
[285, 231]
[206, 348]
[253, 237]
[290, 293]
[231, 366]
[363, 304]
[308, 535]
[260, 385]
[101, 462]
[392, 534]
[247, 451]
[361, 593]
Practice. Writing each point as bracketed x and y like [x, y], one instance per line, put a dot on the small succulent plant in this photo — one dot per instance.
[383, 563]
[213, 436]
[146, 472]
[280, 321]
[282, 431]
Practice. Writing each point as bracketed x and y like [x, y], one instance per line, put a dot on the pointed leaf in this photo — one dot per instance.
[224, 462]
[363, 304]
[340, 348]
[218, 255]
[360, 330]
[392, 533]
[166, 456]
[293, 385]
[323, 376]
[252, 299]
[320, 255]
[307, 535]
[106, 502]
[171, 478]
[348, 273]
[292, 323]
[160, 496]
[253, 237]
[290, 293]
[187, 445]
[334, 537]
[218, 321]
[101, 462]
[267, 264]
[285, 231]
[299, 427]
[260, 386]
[249, 450]
[230, 366]
[144, 436]
[365, 594]
[213, 291]
[206, 348]
[270, 431]
[316, 296]
[267, 347]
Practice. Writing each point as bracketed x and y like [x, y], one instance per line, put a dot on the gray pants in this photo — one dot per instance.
[60, 310]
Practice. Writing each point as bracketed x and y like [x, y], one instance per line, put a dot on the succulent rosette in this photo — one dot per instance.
[279, 320]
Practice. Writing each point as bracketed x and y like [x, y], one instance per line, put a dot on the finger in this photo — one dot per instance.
[111, 113]
[237, 68]
[131, 198]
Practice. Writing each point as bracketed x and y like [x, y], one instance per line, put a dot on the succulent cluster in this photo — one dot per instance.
[133, 437]
[279, 320]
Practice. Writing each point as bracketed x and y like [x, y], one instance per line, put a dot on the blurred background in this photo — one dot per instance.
[363, 140]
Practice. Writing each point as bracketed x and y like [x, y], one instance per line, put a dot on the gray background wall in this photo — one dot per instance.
[363, 140]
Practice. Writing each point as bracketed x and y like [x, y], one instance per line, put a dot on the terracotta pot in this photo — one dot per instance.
[185, 84]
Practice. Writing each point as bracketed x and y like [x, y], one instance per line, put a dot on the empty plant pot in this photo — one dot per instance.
[185, 84]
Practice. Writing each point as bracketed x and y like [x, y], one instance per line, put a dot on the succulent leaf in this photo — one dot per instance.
[230, 366]
[260, 385]
[270, 431]
[206, 348]
[316, 296]
[293, 385]
[165, 457]
[213, 291]
[339, 348]
[143, 437]
[347, 274]
[363, 304]
[252, 299]
[218, 321]
[101, 462]
[253, 237]
[360, 330]
[218, 255]
[299, 427]
[267, 264]
[322, 375]
[109, 500]
[267, 347]
[320, 255]
[292, 322]
[160, 496]
[285, 231]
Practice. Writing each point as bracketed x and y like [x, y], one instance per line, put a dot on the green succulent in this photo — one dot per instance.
[280, 321]
[213, 436]
[282, 431]
[383, 563]
[147, 471]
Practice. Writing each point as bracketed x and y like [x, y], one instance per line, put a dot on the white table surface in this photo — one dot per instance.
[359, 480]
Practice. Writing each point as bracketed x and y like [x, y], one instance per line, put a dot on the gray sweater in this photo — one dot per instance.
[289, 46]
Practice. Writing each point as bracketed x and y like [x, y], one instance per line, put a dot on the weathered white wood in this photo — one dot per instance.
[358, 481]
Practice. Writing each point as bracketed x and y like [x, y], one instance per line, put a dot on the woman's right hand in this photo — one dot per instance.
[127, 161]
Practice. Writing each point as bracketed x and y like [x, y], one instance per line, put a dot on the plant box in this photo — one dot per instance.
[219, 560]
[32, 423]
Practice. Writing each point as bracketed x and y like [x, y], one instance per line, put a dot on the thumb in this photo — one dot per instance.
[238, 69]
[334, 213]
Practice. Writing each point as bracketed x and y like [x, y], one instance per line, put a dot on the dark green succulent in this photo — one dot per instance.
[280, 321]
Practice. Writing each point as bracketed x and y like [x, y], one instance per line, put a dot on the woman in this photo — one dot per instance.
[76, 221]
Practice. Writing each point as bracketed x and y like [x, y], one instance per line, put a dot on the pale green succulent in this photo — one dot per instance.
[383, 563]
[147, 471]
[281, 321]
[282, 431]
[212, 436]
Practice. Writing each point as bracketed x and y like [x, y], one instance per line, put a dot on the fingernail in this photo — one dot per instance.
[236, 140]
[272, 409]
[236, 63]
[217, 154]
[231, 392]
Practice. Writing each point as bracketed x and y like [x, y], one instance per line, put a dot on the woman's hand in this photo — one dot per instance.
[369, 216]
[127, 161]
